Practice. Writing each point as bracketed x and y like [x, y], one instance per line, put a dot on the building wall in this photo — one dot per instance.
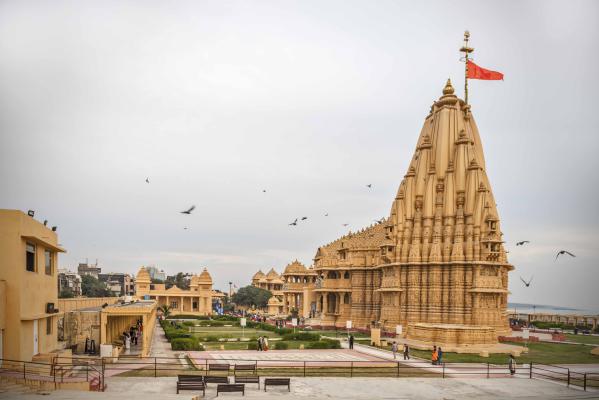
[26, 293]
[66, 305]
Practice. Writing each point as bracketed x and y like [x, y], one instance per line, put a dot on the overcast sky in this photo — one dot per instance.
[215, 101]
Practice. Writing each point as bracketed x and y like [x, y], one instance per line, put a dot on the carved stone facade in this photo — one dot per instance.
[436, 265]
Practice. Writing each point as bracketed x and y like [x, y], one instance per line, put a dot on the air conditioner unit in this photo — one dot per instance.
[50, 308]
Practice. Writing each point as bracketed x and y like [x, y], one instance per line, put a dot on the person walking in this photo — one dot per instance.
[439, 356]
[394, 350]
[434, 355]
[406, 352]
[259, 343]
[351, 342]
[265, 343]
[512, 364]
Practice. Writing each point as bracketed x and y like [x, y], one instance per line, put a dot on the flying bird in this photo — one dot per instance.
[345, 224]
[369, 186]
[562, 252]
[379, 221]
[188, 212]
[522, 242]
[294, 223]
[147, 180]
[304, 218]
[185, 228]
[326, 215]
[527, 284]
[263, 190]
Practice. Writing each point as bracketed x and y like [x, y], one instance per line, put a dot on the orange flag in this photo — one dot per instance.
[476, 72]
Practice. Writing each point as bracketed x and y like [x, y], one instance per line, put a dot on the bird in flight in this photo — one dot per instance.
[147, 180]
[562, 252]
[326, 215]
[304, 218]
[263, 190]
[369, 186]
[185, 228]
[379, 221]
[527, 284]
[345, 224]
[294, 223]
[188, 212]
[522, 242]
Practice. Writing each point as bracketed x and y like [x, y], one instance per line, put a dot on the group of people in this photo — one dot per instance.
[395, 350]
[133, 335]
[437, 355]
[262, 343]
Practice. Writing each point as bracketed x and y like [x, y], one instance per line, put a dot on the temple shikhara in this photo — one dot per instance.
[436, 265]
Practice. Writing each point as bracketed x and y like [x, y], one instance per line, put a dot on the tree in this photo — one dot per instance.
[92, 287]
[251, 296]
[180, 280]
[66, 293]
[159, 281]
[166, 310]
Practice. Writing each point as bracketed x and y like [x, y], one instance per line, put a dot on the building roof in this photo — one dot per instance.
[258, 275]
[272, 274]
[143, 276]
[295, 267]
[205, 277]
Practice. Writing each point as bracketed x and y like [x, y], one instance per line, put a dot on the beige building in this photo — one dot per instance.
[298, 289]
[28, 281]
[197, 300]
[437, 265]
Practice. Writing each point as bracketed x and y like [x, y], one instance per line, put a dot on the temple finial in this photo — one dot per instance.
[448, 89]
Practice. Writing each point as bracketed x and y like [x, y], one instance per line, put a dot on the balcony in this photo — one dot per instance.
[334, 285]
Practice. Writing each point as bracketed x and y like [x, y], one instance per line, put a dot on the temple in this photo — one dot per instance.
[436, 266]
[199, 299]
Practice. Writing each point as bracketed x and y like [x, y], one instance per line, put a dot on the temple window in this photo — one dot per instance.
[346, 275]
[347, 298]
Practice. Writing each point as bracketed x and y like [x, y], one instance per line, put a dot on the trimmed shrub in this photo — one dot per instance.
[303, 336]
[186, 344]
[324, 344]
[212, 338]
[281, 346]
[189, 323]
[252, 346]
[185, 316]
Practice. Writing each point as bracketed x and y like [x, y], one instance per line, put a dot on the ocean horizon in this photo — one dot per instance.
[529, 308]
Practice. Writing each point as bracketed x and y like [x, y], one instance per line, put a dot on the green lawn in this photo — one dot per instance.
[543, 353]
[339, 333]
[585, 339]
[230, 332]
[294, 344]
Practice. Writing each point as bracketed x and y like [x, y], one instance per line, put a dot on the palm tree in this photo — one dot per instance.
[166, 310]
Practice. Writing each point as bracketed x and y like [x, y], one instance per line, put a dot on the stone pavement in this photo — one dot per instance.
[337, 388]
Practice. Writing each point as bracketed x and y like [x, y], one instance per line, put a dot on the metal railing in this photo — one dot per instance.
[60, 370]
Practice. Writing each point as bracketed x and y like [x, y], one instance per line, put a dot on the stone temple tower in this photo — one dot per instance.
[444, 270]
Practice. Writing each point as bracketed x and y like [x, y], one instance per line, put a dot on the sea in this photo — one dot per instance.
[543, 308]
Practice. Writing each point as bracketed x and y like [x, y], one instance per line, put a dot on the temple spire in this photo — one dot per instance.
[466, 50]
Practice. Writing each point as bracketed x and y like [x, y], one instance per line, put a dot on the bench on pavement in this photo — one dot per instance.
[277, 382]
[244, 368]
[218, 367]
[248, 379]
[216, 379]
[229, 388]
[191, 382]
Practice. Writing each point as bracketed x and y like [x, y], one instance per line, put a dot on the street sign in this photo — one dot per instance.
[525, 333]
[242, 321]
[348, 324]
[293, 321]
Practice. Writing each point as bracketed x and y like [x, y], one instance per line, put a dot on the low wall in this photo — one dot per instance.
[452, 335]
[66, 305]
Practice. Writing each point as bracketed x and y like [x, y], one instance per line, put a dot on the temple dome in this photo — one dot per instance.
[258, 275]
[272, 274]
[205, 277]
[295, 267]
[143, 276]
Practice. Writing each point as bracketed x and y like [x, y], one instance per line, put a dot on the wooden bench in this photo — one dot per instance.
[218, 367]
[244, 368]
[229, 388]
[277, 382]
[248, 379]
[191, 382]
[216, 379]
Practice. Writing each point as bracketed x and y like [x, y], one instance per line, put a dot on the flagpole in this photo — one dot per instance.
[466, 50]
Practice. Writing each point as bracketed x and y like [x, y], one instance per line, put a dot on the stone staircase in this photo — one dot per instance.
[9, 387]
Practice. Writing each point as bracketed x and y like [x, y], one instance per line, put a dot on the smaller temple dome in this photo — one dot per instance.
[272, 274]
[448, 89]
[205, 277]
[274, 301]
[143, 275]
[295, 268]
[258, 275]
[194, 281]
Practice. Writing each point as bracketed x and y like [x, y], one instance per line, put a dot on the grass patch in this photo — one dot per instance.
[543, 353]
[585, 339]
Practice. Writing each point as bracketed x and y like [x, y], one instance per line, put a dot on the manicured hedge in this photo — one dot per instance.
[324, 344]
[252, 346]
[186, 316]
[281, 346]
[186, 344]
[303, 336]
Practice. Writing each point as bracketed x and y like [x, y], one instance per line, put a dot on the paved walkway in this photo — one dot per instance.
[336, 388]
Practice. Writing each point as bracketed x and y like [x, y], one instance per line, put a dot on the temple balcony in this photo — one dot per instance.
[334, 285]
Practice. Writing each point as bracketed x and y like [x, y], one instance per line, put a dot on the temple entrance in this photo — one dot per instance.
[331, 303]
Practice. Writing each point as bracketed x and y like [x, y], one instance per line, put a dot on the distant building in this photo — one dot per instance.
[68, 280]
[28, 279]
[156, 274]
[89, 269]
[119, 283]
